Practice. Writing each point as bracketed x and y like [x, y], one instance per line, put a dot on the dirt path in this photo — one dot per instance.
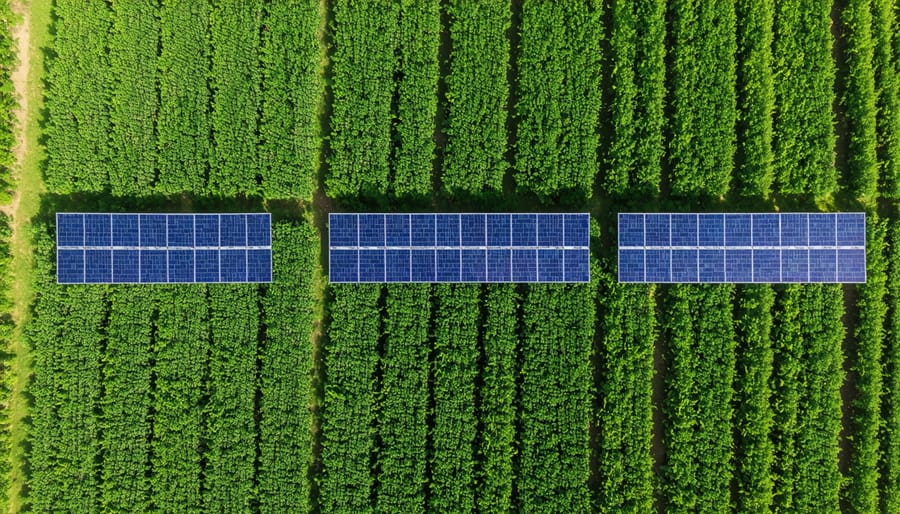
[26, 80]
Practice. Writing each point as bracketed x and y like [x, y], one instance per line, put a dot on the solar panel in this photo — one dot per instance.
[95, 248]
[452, 247]
[745, 247]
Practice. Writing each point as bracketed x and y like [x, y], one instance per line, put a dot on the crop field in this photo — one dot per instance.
[303, 396]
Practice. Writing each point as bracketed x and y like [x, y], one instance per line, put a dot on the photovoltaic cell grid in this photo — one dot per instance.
[458, 248]
[163, 248]
[741, 248]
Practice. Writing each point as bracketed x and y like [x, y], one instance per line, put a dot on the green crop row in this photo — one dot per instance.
[77, 98]
[624, 419]
[181, 359]
[702, 145]
[555, 400]
[285, 418]
[454, 368]
[234, 80]
[134, 104]
[183, 97]
[289, 125]
[125, 405]
[559, 97]
[819, 411]
[754, 170]
[699, 391]
[754, 450]
[494, 468]
[637, 44]
[862, 487]
[230, 433]
[8, 101]
[419, 38]
[348, 412]
[183, 124]
[889, 461]
[859, 99]
[365, 36]
[477, 95]
[804, 133]
[786, 389]
[887, 87]
[403, 399]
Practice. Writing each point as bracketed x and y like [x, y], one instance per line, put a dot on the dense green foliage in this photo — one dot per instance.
[637, 44]
[234, 81]
[860, 99]
[125, 419]
[498, 400]
[348, 413]
[819, 411]
[181, 352]
[363, 65]
[419, 37]
[8, 100]
[285, 381]
[555, 398]
[786, 390]
[133, 45]
[889, 459]
[78, 96]
[703, 79]
[146, 396]
[699, 390]
[291, 86]
[625, 418]
[887, 88]
[215, 98]
[477, 95]
[754, 170]
[454, 367]
[804, 136]
[295, 396]
[754, 451]
[862, 489]
[403, 400]
[183, 124]
[559, 96]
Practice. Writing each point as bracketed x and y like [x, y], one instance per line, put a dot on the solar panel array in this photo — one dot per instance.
[163, 248]
[739, 248]
[458, 248]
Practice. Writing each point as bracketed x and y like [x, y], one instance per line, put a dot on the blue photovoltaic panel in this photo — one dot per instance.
[657, 230]
[684, 230]
[737, 248]
[711, 229]
[474, 229]
[631, 229]
[851, 229]
[397, 230]
[99, 248]
[97, 230]
[524, 230]
[474, 268]
[450, 247]
[446, 229]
